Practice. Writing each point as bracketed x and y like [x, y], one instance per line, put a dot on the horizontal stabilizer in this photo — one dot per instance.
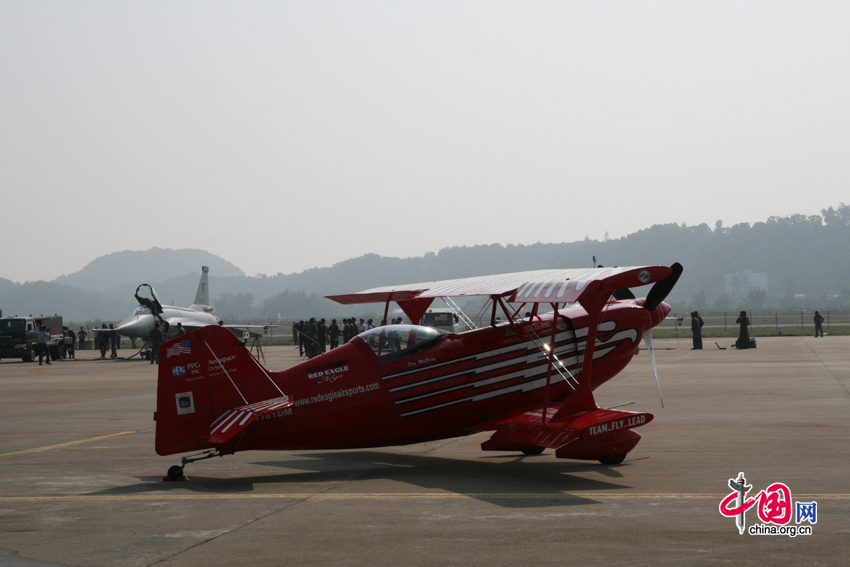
[602, 420]
[236, 420]
[591, 434]
[517, 436]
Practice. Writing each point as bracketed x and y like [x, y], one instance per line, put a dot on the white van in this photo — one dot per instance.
[443, 318]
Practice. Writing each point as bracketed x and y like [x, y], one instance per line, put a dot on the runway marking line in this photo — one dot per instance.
[46, 447]
[390, 496]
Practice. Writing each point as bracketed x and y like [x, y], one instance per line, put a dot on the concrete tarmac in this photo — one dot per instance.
[80, 483]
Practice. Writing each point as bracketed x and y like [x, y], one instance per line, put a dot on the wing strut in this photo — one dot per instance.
[582, 399]
[555, 320]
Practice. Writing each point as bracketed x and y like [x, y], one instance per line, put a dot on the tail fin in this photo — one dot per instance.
[209, 389]
[202, 296]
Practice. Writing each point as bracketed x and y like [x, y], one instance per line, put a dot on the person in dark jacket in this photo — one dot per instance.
[744, 335]
[311, 334]
[103, 341]
[818, 324]
[73, 336]
[333, 334]
[322, 336]
[696, 330]
[302, 342]
[115, 340]
[156, 341]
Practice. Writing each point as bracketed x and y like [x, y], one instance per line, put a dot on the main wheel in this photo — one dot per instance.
[175, 472]
[533, 451]
[613, 460]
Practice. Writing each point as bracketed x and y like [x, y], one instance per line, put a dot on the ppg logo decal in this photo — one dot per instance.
[185, 403]
[643, 276]
[178, 371]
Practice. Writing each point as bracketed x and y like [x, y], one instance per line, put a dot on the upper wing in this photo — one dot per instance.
[538, 286]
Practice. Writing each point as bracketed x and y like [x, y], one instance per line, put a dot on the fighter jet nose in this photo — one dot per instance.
[127, 327]
[131, 327]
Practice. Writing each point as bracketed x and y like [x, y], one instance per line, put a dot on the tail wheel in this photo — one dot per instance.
[175, 472]
[613, 460]
[536, 451]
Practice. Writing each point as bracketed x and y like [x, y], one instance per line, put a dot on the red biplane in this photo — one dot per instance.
[528, 378]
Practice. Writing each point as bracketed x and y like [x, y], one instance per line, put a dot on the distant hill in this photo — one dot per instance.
[807, 260]
[130, 268]
[74, 304]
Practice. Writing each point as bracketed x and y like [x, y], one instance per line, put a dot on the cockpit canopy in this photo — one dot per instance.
[392, 342]
[142, 310]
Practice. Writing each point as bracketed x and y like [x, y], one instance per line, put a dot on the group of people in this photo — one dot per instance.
[744, 333]
[315, 337]
[107, 337]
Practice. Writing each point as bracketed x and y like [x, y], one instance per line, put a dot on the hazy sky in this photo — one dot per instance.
[288, 135]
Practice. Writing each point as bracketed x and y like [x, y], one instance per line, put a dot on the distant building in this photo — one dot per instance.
[740, 284]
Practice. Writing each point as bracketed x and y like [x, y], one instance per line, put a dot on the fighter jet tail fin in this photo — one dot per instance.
[202, 296]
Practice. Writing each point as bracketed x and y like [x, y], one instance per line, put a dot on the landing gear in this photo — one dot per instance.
[534, 451]
[613, 460]
[176, 472]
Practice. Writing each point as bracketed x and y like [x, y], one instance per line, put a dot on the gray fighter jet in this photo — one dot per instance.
[150, 310]
[140, 324]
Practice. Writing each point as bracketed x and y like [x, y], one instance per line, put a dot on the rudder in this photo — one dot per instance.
[203, 375]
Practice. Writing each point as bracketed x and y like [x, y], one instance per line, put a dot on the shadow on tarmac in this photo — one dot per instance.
[513, 482]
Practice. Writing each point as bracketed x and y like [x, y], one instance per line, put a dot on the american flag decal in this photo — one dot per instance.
[183, 347]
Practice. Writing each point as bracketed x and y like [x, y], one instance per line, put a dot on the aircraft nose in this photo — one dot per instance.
[659, 314]
[129, 327]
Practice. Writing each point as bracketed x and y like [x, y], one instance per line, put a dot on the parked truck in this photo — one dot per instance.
[19, 337]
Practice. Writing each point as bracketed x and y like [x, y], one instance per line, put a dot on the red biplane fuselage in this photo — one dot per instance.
[529, 380]
[386, 386]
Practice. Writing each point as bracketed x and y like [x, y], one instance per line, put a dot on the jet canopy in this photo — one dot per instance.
[392, 342]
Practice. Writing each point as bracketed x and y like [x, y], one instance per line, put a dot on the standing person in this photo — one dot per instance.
[180, 330]
[43, 349]
[311, 332]
[696, 330]
[369, 324]
[156, 341]
[333, 334]
[295, 333]
[744, 335]
[818, 324]
[322, 335]
[73, 338]
[82, 334]
[115, 339]
[300, 334]
[103, 338]
[362, 327]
